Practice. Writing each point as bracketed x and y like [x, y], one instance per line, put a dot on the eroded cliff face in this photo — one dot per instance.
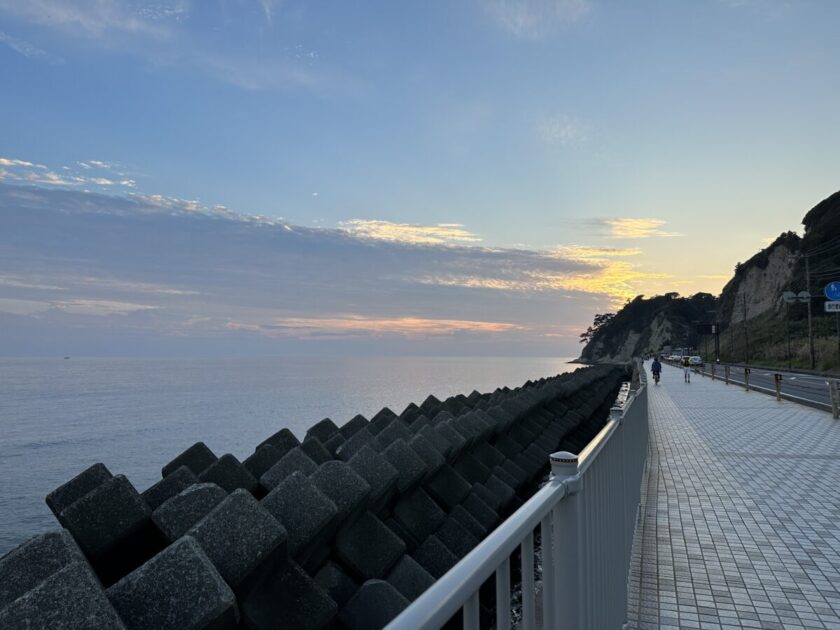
[759, 283]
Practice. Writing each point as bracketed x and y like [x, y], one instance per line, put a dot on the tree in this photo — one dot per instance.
[601, 320]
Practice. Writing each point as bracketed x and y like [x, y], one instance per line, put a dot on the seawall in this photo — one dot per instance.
[341, 530]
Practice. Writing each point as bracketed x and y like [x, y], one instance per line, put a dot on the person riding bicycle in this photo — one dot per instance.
[656, 368]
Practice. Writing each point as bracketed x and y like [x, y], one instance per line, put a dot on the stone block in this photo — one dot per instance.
[336, 583]
[419, 514]
[284, 441]
[288, 599]
[315, 450]
[488, 455]
[177, 481]
[70, 492]
[111, 524]
[332, 444]
[482, 512]
[294, 460]
[517, 473]
[26, 566]
[409, 578]
[456, 537]
[368, 548]
[507, 446]
[178, 589]
[410, 467]
[382, 419]
[437, 440]
[229, 474]
[352, 426]
[393, 431]
[471, 469]
[305, 512]
[70, 599]
[373, 606]
[501, 490]
[323, 430]
[178, 514]
[428, 453]
[353, 444]
[395, 526]
[262, 459]
[435, 557]
[469, 523]
[197, 457]
[344, 486]
[430, 405]
[242, 540]
[378, 472]
[492, 501]
[448, 488]
[456, 441]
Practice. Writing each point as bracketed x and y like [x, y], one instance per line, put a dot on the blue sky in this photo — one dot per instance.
[649, 145]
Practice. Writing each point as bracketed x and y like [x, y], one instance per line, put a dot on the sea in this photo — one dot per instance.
[59, 416]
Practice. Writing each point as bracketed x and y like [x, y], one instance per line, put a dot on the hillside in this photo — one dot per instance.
[755, 324]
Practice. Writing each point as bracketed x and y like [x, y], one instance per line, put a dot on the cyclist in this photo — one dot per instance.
[656, 368]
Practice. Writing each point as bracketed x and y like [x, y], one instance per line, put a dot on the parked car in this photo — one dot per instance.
[695, 360]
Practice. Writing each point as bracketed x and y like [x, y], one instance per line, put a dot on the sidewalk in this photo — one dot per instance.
[741, 514]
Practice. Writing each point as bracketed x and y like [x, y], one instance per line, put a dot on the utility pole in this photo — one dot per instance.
[746, 333]
[787, 321]
[810, 324]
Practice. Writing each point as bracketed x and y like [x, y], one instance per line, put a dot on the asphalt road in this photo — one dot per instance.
[809, 389]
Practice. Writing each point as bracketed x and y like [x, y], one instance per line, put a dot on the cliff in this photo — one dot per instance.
[755, 324]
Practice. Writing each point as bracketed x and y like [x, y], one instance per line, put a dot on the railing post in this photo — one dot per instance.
[713, 371]
[834, 394]
[777, 379]
[568, 593]
[726, 372]
[747, 378]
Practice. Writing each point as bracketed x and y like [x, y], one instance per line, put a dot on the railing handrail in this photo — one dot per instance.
[449, 594]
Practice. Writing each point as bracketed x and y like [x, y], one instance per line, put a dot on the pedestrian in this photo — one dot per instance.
[656, 368]
[686, 369]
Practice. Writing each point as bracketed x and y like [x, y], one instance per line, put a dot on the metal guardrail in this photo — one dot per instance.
[587, 513]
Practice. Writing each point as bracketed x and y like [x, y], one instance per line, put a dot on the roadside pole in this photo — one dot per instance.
[810, 323]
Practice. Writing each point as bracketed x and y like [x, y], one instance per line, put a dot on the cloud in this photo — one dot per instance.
[30, 51]
[440, 234]
[38, 174]
[561, 129]
[534, 19]
[636, 228]
[356, 325]
[91, 17]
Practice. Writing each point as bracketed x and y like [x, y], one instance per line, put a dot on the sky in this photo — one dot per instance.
[461, 177]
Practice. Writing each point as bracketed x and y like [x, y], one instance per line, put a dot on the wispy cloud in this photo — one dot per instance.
[636, 228]
[356, 325]
[16, 170]
[439, 234]
[28, 50]
[534, 19]
[561, 129]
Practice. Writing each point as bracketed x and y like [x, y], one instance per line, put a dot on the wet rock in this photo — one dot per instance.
[197, 457]
[179, 589]
[178, 514]
[70, 492]
[169, 486]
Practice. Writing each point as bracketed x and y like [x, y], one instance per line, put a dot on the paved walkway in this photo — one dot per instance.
[741, 512]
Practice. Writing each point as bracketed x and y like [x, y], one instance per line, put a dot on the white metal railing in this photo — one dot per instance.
[586, 513]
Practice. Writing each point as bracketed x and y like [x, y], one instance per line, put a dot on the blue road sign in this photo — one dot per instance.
[832, 291]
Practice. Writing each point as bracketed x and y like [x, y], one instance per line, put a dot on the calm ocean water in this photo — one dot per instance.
[59, 416]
